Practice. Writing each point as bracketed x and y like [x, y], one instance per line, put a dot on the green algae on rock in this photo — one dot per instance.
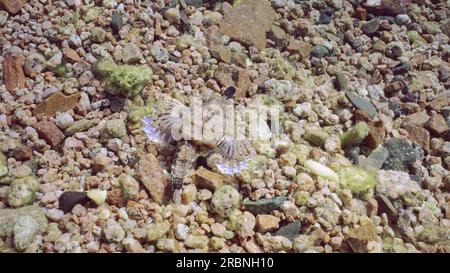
[80, 126]
[61, 70]
[157, 231]
[254, 170]
[355, 135]
[21, 191]
[129, 186]
[127, 80]
[115, 128]
[25, 230]
[225, 199]
[357, 180]
[9, 217]
[3, 165]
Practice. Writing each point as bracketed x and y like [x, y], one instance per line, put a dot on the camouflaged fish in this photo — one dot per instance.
[214, 129]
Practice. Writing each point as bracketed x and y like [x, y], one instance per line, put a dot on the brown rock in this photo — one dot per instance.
[411, 107]
[359, 115]
[50, 132]
[359, 237]
[100, 162]
[71, 55]
[302, 48]
[13, 74]
[57, 102]
[388, 7]
[23, 152]
[248, 22]
[116, 198]
[225, 78]
[419, 119]
[243, 83]
[266, 222]
[361, 13]
[419, 135]
[149, 173]
[208, 179]
[221, 53]
[393, 88]
[376, 134]
[12, 6]
[437, 124]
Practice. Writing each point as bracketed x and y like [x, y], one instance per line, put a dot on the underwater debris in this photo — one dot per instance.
[320, 170]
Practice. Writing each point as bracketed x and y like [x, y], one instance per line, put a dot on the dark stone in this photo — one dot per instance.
[352, 154]
[289, 231]
[132, 160]
[177, 183]
[320, 51]
[395, 106]
[325, 16]
[401, 154]
[264, 206]
[195, 3]
[410, 98]
[116, 104]
[116, 22]
[394, 51]
[174, 59]
[171, 4]
[445, 111]
[362, 104]
[201, 162]
[420, 153]
[68, 200]
[229, 92]
[371, 27]
[416, 178]
[393, 164]
[401, 69]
